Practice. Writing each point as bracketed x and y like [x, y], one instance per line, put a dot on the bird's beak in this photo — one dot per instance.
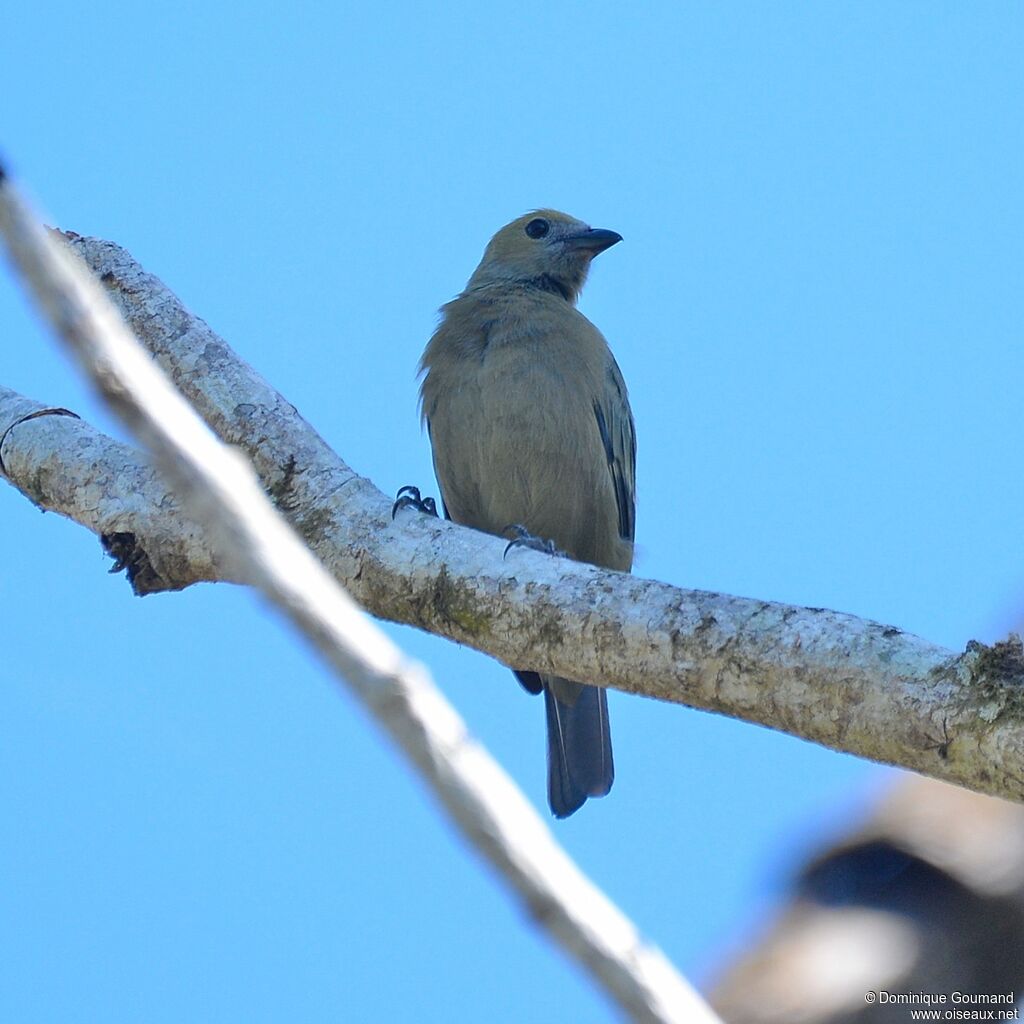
[593, 240]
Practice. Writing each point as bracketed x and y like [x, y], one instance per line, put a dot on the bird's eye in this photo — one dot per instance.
[538, 227]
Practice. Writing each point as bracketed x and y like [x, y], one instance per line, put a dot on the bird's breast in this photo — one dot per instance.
[516, 441]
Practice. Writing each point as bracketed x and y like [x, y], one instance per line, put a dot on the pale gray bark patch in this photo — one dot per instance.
[64, 465]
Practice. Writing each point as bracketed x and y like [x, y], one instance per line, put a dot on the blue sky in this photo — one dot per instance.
[817, 308]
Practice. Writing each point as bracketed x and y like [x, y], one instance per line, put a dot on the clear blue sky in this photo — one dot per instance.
[818, 310]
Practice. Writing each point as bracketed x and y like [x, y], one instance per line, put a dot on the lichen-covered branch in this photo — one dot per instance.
[62, 464]
[845, 682]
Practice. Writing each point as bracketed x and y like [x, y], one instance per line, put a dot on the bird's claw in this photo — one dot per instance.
[524, 539]
[410, 497]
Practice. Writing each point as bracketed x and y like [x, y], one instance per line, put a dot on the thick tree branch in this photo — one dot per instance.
[62, 464]
[848, 683]
[221, 491]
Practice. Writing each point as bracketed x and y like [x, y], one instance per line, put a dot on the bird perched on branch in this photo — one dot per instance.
[531, 430]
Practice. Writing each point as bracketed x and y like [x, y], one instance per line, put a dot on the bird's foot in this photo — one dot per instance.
[409, 497]
[524, 539]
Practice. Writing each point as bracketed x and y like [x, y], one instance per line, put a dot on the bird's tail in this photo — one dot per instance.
[579, 744]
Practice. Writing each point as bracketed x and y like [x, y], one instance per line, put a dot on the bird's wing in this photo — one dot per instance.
[615, 421]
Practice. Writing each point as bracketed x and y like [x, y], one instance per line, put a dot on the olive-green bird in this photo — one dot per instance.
[530, 425]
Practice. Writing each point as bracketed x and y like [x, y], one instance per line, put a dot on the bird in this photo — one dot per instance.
[531, 432]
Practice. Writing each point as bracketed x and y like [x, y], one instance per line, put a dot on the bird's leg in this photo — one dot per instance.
[409, 497]
[524, 539]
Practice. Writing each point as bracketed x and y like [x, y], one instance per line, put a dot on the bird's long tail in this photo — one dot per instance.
[579, 744]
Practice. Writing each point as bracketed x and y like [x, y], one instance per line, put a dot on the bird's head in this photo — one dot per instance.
[546, 248]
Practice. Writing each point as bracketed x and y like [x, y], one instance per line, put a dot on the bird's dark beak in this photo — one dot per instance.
[593, 240]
